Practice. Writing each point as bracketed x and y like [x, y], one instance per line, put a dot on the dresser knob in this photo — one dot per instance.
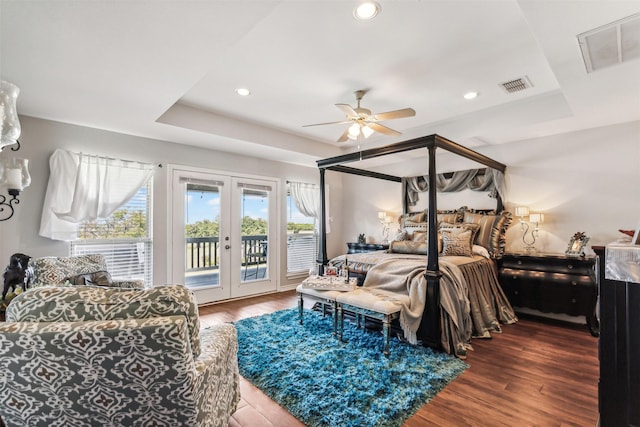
[573, 300]
[514, 277]
[570, 267]
[515, 292]
[519, 262]
[573, 282]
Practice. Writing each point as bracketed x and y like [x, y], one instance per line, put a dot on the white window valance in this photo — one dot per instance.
[83, 187]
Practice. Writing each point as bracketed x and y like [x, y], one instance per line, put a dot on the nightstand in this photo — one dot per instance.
[356, 248]
[552, 283]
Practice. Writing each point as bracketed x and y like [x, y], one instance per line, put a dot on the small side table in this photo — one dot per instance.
[355, 248]
[555, 283]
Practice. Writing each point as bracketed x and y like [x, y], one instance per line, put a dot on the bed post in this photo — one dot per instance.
[500, 206]
[322, 242]
[405, 201]
[430, 323]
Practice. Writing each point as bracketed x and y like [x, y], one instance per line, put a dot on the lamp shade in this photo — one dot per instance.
[537, 218]
[14, 174]
[367, 131]
[10, 124]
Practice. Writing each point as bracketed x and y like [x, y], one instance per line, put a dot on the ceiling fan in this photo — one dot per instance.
[363, 123]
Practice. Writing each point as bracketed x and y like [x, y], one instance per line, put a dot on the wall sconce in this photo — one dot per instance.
[14, 172]
[385, 220]
[534, 218]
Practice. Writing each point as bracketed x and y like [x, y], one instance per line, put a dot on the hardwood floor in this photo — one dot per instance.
[533, 374]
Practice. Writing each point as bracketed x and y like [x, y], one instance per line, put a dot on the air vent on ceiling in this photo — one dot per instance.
[516, 85]
[611, 44]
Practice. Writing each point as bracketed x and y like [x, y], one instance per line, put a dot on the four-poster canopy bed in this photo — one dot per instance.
[430, 321]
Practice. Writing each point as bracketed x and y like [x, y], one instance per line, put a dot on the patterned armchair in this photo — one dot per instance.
[59, 271]
[106, 356]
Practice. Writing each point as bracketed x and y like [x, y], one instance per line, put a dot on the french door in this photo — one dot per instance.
[223, 234]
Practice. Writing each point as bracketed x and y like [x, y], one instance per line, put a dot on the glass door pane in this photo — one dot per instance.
[254, 224]
[202, 235]
[254, 213]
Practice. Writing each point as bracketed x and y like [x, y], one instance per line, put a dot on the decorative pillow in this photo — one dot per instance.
[478, 211]
[411, 218]
[408, 247]
[410, 229]
[97, 278]
[419, 236]
[492, 230]
[451, 216]
[401, 236]
[474, 228]
[456, 241]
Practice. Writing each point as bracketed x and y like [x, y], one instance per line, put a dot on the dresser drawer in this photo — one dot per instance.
[569, 265]
[508, 275]
[549, 292]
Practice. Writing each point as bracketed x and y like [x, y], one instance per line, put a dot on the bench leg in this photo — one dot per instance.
[340, 320]
[386, 331]
[334, 316]
[300, 307]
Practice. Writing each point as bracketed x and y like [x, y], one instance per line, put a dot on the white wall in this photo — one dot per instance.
[582, 181]
[40, 138]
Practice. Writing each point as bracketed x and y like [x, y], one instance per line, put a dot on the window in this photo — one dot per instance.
[124, 238]
[302, 239]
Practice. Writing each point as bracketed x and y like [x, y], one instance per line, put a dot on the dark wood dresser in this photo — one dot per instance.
[552, 283]
[618, 350]
[355, 248]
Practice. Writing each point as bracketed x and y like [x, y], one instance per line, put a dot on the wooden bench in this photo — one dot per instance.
[384, 306]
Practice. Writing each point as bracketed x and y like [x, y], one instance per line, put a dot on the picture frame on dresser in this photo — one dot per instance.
[635, 240]
[577, 244]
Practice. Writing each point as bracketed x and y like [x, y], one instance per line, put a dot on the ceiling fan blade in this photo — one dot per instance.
[383, 129]
[396, 114]
[345, 136]
[348, 110]
[328, 123]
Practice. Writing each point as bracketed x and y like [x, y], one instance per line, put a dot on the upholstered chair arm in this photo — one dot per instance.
[218, 391]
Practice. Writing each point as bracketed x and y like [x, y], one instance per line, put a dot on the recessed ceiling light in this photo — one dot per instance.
[243, 91]
[366, 10]
[470, 95]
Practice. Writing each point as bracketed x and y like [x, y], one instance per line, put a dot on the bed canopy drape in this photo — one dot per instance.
[486, 180]
[430, 323]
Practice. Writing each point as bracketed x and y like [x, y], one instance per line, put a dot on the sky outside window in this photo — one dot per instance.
[206, 205]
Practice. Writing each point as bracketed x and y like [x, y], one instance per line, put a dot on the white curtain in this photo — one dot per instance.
[307, 200]
[84, 187]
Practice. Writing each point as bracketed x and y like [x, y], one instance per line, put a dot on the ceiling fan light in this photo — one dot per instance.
[367, 131]
[354, 131]
[366, 10]
[471, 95]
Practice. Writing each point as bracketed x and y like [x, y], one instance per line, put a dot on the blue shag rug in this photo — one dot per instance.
[325, 382]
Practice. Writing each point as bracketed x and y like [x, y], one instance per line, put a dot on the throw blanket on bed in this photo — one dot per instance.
[407, 276]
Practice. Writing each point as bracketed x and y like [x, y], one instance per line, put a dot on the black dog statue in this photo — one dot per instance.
[17, 272]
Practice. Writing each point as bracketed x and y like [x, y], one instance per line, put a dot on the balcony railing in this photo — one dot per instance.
[203, 252]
